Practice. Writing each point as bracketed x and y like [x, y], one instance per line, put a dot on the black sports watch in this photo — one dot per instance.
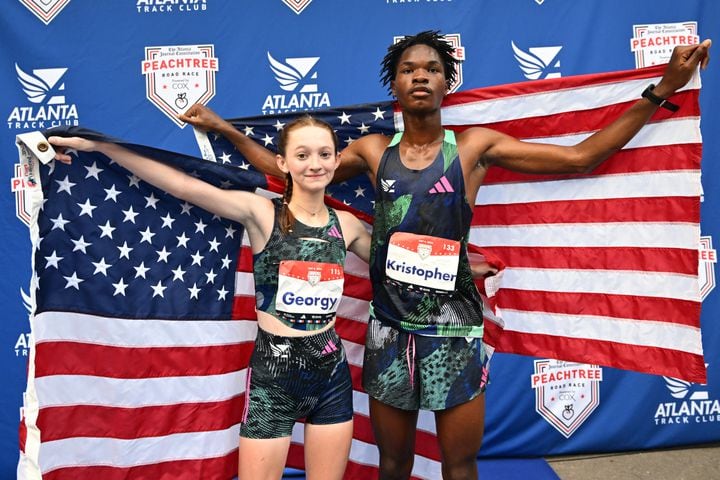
[660, 102]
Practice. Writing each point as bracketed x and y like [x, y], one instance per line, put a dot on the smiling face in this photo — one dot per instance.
[309, 157]
[420, 82]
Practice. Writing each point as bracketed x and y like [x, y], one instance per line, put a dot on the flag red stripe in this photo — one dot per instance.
[649, 259]
[73, 358]
[581, 121]
[659, 361]
[646, 209]
[634, 160]
[57, 423]
[680, 312]
[207, 468]
[551, 85]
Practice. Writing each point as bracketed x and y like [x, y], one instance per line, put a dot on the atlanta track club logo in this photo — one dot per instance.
[538, 62]
[178, 76]
[297, 6]
[45, 10]
[458, 54]
[566, 393]
[298, 77]
[653, 44]
[691, 404]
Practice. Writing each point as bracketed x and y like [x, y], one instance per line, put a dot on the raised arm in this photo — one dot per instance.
[202, 117]
[508, 152]
[244, 207]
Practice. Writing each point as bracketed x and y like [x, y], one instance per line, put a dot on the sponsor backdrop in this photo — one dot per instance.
[128, 67]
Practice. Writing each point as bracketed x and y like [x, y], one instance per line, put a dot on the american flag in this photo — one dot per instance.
[600, 269]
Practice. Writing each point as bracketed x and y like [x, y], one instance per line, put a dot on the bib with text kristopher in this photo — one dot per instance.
[308, 292]
[422, 262]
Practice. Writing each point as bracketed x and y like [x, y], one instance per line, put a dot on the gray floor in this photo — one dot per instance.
[697, 463]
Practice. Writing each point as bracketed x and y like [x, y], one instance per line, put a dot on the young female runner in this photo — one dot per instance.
[298, 368]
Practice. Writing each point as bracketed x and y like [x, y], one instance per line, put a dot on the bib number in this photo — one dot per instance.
[308, 292]
[423, 263]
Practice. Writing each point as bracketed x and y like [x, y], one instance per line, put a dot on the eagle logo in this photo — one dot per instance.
[43, 83]
[295, 72]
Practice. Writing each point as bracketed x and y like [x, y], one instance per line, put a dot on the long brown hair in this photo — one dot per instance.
[287, 219]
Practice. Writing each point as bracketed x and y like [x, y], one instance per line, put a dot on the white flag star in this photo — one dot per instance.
[93, 171]
[101, 267]
[194, 291]
[163, 255]
[107, 230]
[226, 261]
[249, 131]
[182, 240]
[59, 222]
[120, 288]
[147, 236]
[130, 215]
[268, 140]
[65, 185]
[73, 281]
[86, 208]
[178, 274]
[211, 276]
[363, 128]
[197, 258]
[158, 290]
[151, 201]
[200, 227]
[230, 231]
[185, 208]
[52, 260]
[344, 118]
[167, 221]
[214, 244]
[379, 114]
[222, 293]
[80, 244]
[278, 125]
[134, 181]
[111, 193]
[141, 270]
[125, 250]
[225, 157]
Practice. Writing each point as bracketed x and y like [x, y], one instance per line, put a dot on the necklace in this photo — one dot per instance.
[312, 214]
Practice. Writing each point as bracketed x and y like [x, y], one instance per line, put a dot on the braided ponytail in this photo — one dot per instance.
[287, 219]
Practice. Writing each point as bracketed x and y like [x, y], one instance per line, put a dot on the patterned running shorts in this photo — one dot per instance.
[291, 378]
[413, 372]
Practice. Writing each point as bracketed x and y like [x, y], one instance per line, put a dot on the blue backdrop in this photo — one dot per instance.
[99, 64]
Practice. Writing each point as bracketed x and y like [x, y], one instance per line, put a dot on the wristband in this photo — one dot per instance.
[660, 102]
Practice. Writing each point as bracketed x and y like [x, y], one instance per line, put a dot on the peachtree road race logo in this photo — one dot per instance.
[538, 62]
[170, 6]
[44, 88]
[566, 393]
[299, 76]
[692, 405]
[458, 53]
[706, 269]
[178, 76]
[653, 43]
[45, 10]
[297, 5]
[22, 187]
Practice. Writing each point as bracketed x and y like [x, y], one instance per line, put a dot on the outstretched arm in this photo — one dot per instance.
[508, 152]
[232, 204]
[203, 118]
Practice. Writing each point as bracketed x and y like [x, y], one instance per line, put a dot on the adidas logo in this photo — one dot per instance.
[442, 186]
[388, 186]
[329, 348]
[334, 232]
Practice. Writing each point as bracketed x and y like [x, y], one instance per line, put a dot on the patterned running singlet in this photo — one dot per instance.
[299, 275]
[419, 267]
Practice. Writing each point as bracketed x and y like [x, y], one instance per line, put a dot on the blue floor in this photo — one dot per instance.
[491, 469]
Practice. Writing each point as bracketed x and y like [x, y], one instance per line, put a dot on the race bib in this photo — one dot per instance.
[308, 292]
[423, 263]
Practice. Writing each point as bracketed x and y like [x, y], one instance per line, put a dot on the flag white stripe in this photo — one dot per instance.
[646, 284]
[625, 234]
[122, 332]
[668, 132]
[426, 418]
[69, 390]
[550, 103]
[142, 451]
[684, 183]
[367, 454]
[622, 330]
